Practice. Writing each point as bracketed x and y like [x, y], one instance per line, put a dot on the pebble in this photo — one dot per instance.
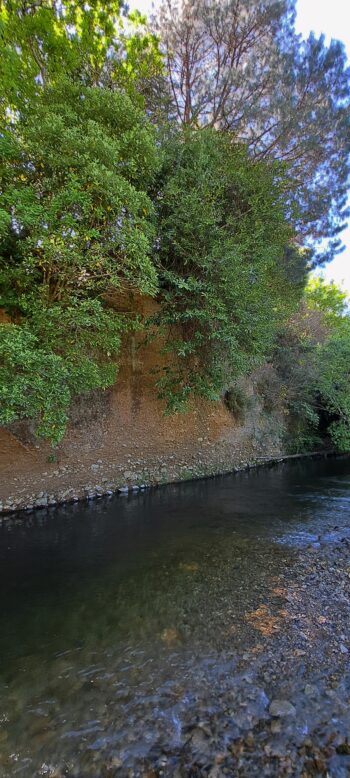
[41, 503]
[275, 726]
[282, 708]
[310, 690]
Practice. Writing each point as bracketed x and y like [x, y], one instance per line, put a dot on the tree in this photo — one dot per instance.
[224, 274]
[73, 200]
[333, 385]
[311, 357]
[239, 66]
[97, 43]
[328, 299]
[78, 155]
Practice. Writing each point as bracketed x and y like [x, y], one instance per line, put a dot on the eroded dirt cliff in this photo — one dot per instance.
[122, 438]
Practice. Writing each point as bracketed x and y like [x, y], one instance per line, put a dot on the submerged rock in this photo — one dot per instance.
[281, 708]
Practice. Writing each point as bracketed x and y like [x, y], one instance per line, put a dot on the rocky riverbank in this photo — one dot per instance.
[106, 480]
[121, 441]
[291, 715]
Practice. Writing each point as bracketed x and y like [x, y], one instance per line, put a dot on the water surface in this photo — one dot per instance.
[151, 632]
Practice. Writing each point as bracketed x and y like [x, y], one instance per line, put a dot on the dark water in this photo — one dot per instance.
[125, 623]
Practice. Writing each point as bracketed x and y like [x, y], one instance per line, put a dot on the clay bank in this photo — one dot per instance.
[122, 439]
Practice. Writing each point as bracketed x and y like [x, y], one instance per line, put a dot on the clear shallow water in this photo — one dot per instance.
[126, 622]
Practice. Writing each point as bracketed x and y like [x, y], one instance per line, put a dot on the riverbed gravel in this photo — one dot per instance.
[221, 654]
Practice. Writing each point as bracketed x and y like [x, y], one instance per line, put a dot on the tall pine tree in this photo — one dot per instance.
[238, 65]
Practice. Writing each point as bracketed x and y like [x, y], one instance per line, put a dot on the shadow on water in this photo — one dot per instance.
[127, 620]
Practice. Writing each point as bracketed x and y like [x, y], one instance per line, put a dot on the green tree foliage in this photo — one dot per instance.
[224, 271]
[334, 383]
[238, 65]
[75, 218]
[74, 205]
[210, 211]
[33, 382]
[45, 361]
[327, 298]
[295, 361]
[312, 359]
[95, 44]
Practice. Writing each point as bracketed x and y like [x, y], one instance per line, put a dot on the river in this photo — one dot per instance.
[199, 629]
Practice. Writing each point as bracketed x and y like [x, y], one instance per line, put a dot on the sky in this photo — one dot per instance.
[332, 19]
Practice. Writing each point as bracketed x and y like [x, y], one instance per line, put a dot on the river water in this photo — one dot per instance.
[198, 629]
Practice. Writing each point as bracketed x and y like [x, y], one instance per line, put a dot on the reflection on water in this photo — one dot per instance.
[125, 620]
